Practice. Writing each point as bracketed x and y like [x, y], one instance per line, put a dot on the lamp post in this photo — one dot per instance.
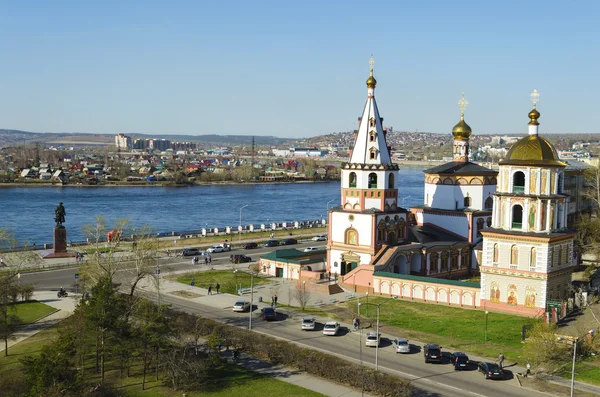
[367, 304]
[377, 331]
[574, 340]
[404, 198]
[486, 322]
[236, 283]
[303, 294]
[329, 202]
[251, 299]
[240, 231]
[158, 285]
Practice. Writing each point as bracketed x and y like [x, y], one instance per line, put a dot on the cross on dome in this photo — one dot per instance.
[535, 97]
[463, 105]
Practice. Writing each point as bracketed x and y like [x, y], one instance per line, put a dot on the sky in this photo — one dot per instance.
[296, 69]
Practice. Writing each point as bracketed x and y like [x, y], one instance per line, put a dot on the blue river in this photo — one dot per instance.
[28, 212]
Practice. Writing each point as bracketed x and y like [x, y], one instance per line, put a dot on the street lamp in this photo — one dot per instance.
[158, 285]
[235, 271]
[329, 202]
[573, 367]
[251, 299]
[403, 200]
[377, 331]
[367, 304]
[240, 230]
[486, 322]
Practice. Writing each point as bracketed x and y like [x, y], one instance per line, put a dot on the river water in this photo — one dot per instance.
[29, 211]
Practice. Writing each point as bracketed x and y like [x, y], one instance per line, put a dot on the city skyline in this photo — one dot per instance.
[296, 70]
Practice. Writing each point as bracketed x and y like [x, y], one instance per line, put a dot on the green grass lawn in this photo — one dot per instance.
[226, 279]
[31, 311]
[454, 328]
[585, 372]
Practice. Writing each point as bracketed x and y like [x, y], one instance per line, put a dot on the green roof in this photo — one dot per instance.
[428, 279]
[293, 255]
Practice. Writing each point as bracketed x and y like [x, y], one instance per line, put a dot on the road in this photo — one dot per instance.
[434, 379]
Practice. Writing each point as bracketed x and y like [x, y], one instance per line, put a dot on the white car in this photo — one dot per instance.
[401, 345]
[372, 339]
[311, 249]
[241, 306]
[215, 248]
[331, 328]
[320, 237]
[308, 324]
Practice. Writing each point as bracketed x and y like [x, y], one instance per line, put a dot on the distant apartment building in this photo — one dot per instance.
[123, 142]
[185, 146]
[160, 144]
[141, 144]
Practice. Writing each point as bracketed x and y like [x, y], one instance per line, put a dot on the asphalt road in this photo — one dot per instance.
[429, 379]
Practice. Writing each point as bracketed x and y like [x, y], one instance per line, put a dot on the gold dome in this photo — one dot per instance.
[371, 82]
[461, 130]
[534, 115]
[532, 150]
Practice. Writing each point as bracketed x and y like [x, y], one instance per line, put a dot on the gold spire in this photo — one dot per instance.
[534, 115]
[463, 105]
[462, 131]
[371, 82]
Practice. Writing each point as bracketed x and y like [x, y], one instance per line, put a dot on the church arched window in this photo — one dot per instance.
[467, 202]
[372, 180]
[480, 224]
[533, 258]
[518, 182]
[517, 217]
[372, 136]
[351, 237]
[514, 255]
[391, 181]
[489, 203]
[353, 179]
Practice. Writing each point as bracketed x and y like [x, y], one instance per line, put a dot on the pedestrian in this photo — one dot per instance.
[206, 260]
[272, 235]
[217, 287]
[209, 259]
[272, 301]
[1, 262]
[354, 323]
[275, 300]
[357, 322]
[501, 360]
[210, 289]
[528, 372]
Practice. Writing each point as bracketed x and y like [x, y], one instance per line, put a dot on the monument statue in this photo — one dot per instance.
[59, 215]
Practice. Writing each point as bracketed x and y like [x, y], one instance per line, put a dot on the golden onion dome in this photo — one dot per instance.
[534, 115]
[461, 130]
[532, 150]
[371, 82]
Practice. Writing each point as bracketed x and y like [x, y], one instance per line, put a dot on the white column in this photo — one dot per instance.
[538, 215]
[548, 220]
[525, 216]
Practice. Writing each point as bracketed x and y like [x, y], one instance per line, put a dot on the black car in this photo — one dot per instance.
[249, 246]
[289, 241]
[239, 258]
[191, 252]
[432, 353]
[272, 243]
[269, 314]
[460, 361]
[490, 370]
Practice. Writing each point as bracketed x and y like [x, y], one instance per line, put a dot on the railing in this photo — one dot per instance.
[372, 186]
[518, 189]
[353, 184]
[517, 225]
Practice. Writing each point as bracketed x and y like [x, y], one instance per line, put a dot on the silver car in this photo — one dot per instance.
[308, 324]
[241, 306]
[401, 345]
[331, 328]
[372, 339]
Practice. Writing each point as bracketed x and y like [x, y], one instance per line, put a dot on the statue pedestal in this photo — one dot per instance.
[60, 245]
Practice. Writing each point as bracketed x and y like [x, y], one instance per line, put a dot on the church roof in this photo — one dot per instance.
[429, 233]
[461, 168]
[427, 279]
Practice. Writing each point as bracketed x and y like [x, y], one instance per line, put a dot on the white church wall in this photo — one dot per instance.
[372, 202]
[454, 224]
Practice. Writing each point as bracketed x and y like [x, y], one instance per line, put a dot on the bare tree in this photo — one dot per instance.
[301, 294]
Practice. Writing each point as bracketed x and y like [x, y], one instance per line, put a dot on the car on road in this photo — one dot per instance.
[401, 345]
[289, 241]
[308, 324]
[320, 237]
[432, 353]
[241, 306]
[215, 248]
[269, 313]
[191, 252]
[331, 328]
[490, 370]
[250, 245]
[239, 258]
[373, 339]
[460, 361]
[311, 249]
[272, 243]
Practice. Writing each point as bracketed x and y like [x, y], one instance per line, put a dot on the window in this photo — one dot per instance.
[372, 155]
[518, 182]
[353, 179]
[372, 180]
[489, 221]
[391, 181]
[514, 255]
[467, 202]
[517, 217]
[372, 136]
[372, 122]
[489, 203]
[480, 223]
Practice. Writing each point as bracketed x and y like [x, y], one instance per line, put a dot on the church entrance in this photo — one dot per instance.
[279, 272]
[392, 238]
[349, 262]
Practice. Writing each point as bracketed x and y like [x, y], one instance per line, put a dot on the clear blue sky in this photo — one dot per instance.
[296, 68]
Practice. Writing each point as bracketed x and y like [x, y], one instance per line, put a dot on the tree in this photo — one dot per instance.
[302, 295]
[546, 352]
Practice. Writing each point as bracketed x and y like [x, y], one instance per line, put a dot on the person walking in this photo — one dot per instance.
[355, 323]
[501, 360]
[275, 301]
[210, 289]
[528, 372]
[217, 287]
[272, 301]
[209, 259]
[206, 260]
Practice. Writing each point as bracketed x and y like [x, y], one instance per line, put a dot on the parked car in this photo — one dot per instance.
[191, 252]
[372, 339]
[269, 314]
[320, 237]
[241, 306]
[289, 241]
[272, 243]
[460, 361]
[239, 258]
[215, 249]
[249, 246]
[311, 249]
[308, 324]
[331, 328]
[401, 345]
[432, 353]
[490, 370]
